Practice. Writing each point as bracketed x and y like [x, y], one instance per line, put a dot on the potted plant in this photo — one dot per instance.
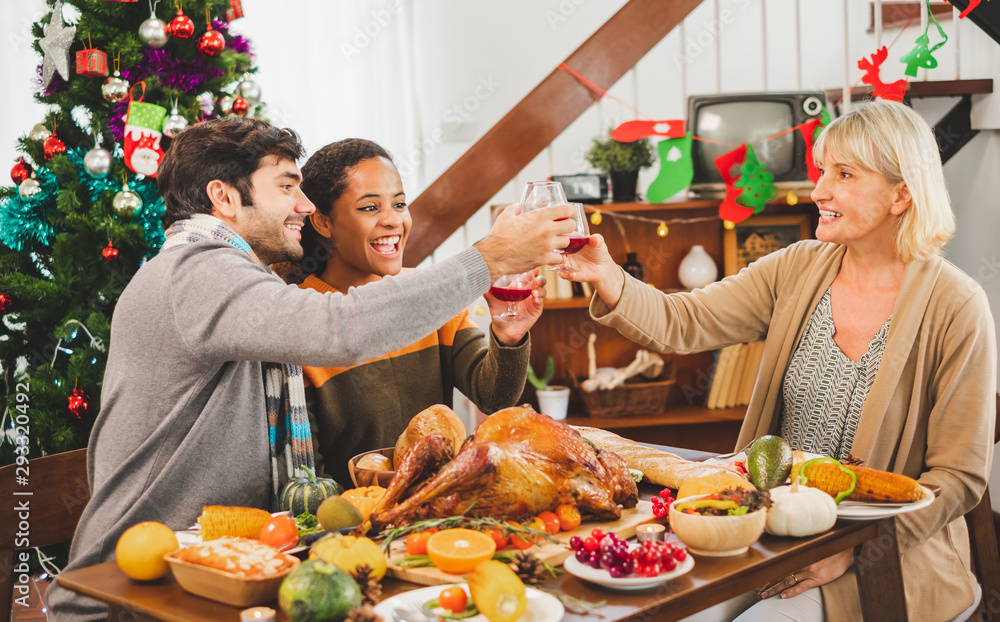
[553, 400]
[622, 162]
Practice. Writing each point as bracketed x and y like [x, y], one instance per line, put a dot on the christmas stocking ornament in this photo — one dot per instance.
[676, 169]
[729, 209]
[142, 135]
[808, 130]
[631, 131]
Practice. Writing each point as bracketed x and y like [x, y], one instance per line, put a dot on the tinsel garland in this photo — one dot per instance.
[26, 219]
[237, 43]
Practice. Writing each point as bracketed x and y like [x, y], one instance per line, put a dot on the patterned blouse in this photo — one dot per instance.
[824, 391]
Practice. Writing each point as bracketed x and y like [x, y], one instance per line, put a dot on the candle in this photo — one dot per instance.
[652, 531]
[258, 614]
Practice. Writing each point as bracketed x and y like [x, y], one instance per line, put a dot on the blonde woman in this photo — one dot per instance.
[875, 346]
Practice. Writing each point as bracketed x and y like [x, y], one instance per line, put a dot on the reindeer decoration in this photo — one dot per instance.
[892, 91]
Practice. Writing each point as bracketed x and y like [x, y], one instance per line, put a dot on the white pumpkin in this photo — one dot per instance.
[799, 511]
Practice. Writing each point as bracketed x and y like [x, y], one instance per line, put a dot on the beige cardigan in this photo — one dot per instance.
[929, 414]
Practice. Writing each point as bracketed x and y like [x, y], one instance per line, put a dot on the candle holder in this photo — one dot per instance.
[258, 614]
[652, 531]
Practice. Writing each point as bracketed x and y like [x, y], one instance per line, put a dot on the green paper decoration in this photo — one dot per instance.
[676, 169]
[922, 55]
[757, 184]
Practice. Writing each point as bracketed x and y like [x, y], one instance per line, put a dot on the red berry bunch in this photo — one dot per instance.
[661, 503]
[608, 551]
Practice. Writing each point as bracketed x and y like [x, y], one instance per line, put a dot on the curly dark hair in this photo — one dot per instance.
[228, 149]
[324, 179]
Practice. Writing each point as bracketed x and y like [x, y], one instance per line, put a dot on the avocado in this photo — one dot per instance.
[769, 461]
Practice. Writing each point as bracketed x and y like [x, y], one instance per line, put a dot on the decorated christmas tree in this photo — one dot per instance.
[121, 79]
[757, 183]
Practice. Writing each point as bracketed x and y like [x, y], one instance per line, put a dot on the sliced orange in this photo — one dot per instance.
[457, 551]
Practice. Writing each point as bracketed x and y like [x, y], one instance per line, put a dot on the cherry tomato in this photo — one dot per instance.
[498, 537]
[280, 532]
[416, 543]
[551, 522]
[569, 517]
[519, 542]
[454, 599]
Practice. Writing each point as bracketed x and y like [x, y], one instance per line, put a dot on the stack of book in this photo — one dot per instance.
[734, 374]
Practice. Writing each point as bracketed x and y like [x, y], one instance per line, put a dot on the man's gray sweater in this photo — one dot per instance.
[183, 422]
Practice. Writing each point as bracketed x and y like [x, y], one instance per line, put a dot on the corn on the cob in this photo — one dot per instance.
[869, 484]
[218, 521]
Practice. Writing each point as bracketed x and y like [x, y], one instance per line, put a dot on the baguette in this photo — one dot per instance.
[659, 467]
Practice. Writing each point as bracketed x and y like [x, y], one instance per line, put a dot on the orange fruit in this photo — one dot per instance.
[141, 548]
[498, 537]
[519, 542]
[551, 522]
[569, 516]
[459, 550]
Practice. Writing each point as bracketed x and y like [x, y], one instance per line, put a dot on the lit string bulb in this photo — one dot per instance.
[792, 198]
[596, 218]
[662, 230]
[729, 225]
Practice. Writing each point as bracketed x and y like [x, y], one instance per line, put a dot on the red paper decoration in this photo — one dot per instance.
[53, 146]
[729, 209]
[211, 43]
[77, 403]
[235, 10]
[110, 252]
[972, 4]
[892, 91]
[180, 27]
[20, 172]
[92, 63]
[631, 131]
[808, 129]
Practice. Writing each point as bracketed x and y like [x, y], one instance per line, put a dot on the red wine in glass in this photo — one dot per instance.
[510, 294]
[576, 243]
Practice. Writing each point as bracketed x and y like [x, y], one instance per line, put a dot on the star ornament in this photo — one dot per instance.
[55, 45]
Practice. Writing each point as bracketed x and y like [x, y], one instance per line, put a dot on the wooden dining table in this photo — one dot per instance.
[711, 581]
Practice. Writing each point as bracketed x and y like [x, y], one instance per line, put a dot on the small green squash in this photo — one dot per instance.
[306, 494]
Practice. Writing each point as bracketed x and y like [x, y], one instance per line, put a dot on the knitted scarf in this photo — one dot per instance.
[289, 434]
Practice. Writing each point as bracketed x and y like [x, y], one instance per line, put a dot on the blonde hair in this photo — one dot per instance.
[891, 139]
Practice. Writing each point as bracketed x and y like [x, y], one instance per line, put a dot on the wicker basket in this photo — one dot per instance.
[637, 397]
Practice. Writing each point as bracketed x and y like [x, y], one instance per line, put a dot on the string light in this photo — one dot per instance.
[792, 198]
[662, 230]
[729, 225]
[661, 225]
[596, 218]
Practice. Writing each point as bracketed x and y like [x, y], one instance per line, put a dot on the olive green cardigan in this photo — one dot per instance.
[930, 412]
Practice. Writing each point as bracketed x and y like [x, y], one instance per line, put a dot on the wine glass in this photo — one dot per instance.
[512, 288]
[539, 194]
[578, 238]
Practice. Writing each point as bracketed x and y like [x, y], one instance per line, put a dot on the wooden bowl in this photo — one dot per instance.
[371, 477]
[717, 536]
[225, 587]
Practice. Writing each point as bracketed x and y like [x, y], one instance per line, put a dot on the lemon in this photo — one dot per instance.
[141, 548]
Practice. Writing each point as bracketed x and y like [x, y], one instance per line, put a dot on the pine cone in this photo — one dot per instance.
[364, 613]
[530, 569]
[371, 589]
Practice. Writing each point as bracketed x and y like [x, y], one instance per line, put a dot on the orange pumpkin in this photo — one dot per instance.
[364, 498]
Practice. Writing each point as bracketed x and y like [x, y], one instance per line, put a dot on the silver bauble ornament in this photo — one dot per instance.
[226, 104]
[115, 88]
[174, 124]
[97, 162]
[39, 132]
[153, 32]
[126, 201]
[29, 188]
[250, 91]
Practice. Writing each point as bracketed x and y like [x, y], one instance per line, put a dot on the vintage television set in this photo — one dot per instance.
[734, 118]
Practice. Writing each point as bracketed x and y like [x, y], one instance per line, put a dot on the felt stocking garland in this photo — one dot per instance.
[143, 123]
[676, 169]
[729, 209]
[892, 91]
[631, 131]
[808, 130]
[756, 182]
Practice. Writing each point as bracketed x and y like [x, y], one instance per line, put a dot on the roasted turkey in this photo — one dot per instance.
[517, 463]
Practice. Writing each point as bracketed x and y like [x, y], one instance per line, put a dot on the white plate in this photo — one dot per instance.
[600, 576]
[860, 510]
[542, 607]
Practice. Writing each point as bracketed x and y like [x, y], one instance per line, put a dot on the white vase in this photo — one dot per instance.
[697, 269]
[553, 401]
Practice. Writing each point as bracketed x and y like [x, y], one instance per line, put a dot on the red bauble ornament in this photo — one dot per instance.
[6, 303]
[53, 146]
[240, 106]
[211, 43]
[110, 252]
[180, 27]
[77, 403]
[20, 172]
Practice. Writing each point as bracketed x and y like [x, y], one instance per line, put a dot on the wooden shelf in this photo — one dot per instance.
[925, 88]
[567, 303]
[694, 204]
